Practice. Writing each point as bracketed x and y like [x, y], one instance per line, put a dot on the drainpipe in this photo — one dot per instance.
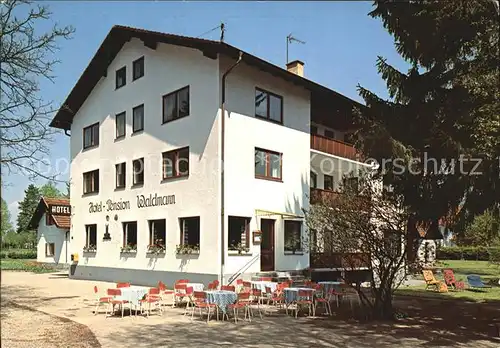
[66, 132]
[223, 123]
[66, 242]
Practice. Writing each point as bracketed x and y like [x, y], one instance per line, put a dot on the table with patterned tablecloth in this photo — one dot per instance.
[222, 298]
[133, 294]
[291, 294]
[196, 286]
[261, 285]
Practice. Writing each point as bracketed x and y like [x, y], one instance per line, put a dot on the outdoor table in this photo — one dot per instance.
[133, 294]
[196, 286]
[291, 294]
[330, 285]
[222, 298]
[261, 285]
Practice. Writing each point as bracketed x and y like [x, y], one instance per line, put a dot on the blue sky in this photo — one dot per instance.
[342, 44]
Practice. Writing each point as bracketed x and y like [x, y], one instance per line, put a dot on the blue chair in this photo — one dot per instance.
[476, 282]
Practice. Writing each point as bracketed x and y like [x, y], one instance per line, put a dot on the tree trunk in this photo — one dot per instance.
[382, 307]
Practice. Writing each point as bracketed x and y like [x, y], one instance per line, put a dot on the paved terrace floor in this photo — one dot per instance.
[54, 295]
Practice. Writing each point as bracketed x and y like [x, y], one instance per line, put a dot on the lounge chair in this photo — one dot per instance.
[430, 280]
[449, 279]
[475, 282]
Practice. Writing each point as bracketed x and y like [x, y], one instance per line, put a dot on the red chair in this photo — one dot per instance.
[153, 297]
[212, 286]
[320, 297]
[179, 293]
[122, 285]
[181, 281]
[101, 300]
[241, 302]
[449, 279]
[189, 298]
[120, 302]
[275, 298]
[304, 298]
[200, 302]
[239, 281]
[266, 279]
[228, 288]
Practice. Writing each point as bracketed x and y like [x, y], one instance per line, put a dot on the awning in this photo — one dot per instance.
[261, 212]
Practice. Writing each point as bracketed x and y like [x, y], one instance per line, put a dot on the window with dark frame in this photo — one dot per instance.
[328, 182]
[157, 232]
[130, 234]
[293, 240]
[91, 235]
[91, 136]
[314, 180]
[176, 163]
[138, 68]
[49, 220]
[91, 181]
[329, 134]
[138, 171]
[268, 164]
[120, 121]
[268, 105]
[50, 249]
[121, 77]
[138, 118]
[120, 175]
[238, 232]
[176, 105]
[190, 231]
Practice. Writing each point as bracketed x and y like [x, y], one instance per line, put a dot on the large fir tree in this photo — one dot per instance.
[27, 207]
[444, 107]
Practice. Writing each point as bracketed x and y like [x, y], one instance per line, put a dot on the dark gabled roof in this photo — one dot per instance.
[63, 222]
[117, 37]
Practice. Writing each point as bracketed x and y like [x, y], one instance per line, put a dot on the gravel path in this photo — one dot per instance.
[41, 330]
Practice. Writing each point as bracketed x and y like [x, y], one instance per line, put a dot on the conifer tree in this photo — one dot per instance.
[27, 207]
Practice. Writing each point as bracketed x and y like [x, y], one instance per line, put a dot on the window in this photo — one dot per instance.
[176, 163]
[238, 232]
[138, 172]
[351, 184]
[120, 175]
[120, 121]
[268, 164]
[91, 236]
[138, 118]
[91, 182]
[176, 105]
[157, 232]
[121, 77]
[130, 234]
[50, 249]
[314, 180]
[314, 130]
[328, 182]
[329, 134]
[49, 220]
[190, 231]
[268, 105]
[91, 136]
[293, 241]
[138, 68]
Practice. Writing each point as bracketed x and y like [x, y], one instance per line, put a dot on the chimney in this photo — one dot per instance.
[296, 67]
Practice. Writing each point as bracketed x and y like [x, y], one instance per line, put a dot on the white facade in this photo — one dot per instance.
[59, 253]
[167, 69]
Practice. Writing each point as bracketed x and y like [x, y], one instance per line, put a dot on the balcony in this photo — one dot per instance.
[347, 261]
[334, 147]
[319, 195]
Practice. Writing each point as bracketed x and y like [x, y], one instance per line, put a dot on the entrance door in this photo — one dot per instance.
[267, 245]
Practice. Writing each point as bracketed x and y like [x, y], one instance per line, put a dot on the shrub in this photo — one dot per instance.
[18, 254]
[468, 253]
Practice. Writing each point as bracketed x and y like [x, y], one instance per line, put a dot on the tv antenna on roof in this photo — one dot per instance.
[290, 39]
[222, 28]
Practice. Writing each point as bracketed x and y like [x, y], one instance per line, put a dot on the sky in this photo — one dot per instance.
[341, 45]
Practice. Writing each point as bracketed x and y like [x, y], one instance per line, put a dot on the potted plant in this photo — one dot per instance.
[241, 248]
[89, 248]
[292, 244]
[129, 248]
[187, 249]
[157, 248]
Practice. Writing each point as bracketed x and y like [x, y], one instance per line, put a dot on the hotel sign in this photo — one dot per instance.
[58, 209]
[142, 202]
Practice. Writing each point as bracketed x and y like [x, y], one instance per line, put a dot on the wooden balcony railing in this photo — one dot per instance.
[339, 260]
[334, 147]
[319, 195]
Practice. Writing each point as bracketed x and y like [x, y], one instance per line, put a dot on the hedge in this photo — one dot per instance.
[467, 253]
[18, 254]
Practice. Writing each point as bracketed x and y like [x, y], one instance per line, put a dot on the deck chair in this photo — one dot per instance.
[430, 281]
[449, 279]
[476, 282]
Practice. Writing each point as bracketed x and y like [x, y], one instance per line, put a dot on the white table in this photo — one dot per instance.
[195, 286]
[261, 285]
[133, 294]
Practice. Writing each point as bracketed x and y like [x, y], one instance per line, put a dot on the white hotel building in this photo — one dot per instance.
[197, 147]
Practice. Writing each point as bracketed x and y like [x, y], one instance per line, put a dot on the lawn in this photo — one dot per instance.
[25, 265]
[461, 268]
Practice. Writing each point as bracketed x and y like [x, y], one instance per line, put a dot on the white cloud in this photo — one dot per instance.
[14, 211]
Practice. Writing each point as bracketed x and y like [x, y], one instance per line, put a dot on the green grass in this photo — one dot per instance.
[461, 268]
[25, 266]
